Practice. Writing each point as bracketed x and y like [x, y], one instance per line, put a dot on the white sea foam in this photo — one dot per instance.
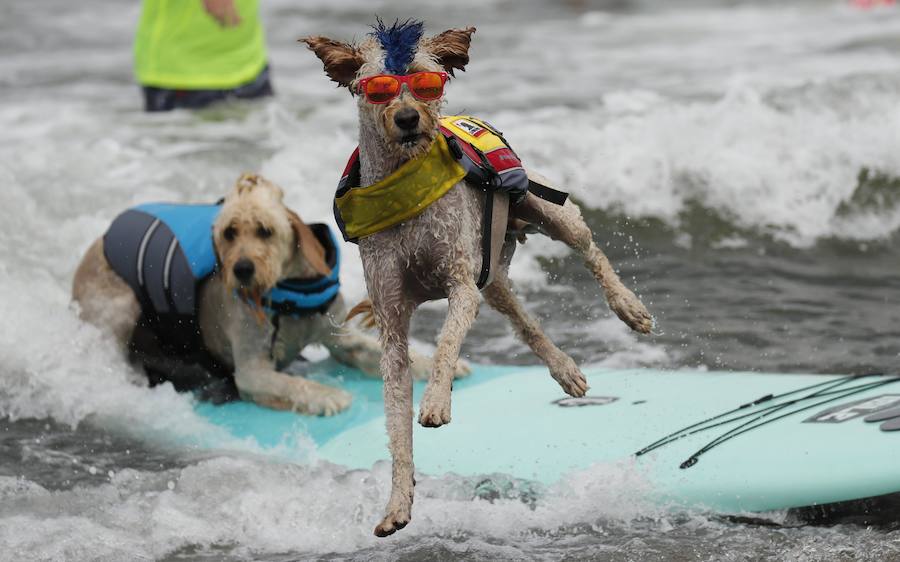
[784, 171]
[270, 507]
[57, 367]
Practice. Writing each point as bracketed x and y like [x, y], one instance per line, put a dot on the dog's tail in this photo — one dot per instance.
[365, 309]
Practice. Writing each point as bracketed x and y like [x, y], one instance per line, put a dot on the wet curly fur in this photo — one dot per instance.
[253, 225]
[437, 254]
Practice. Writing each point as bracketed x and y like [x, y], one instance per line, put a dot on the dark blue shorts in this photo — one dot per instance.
[163, 99]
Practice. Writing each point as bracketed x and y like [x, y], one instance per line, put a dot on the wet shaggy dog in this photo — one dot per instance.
[437, 254]
[258, 241]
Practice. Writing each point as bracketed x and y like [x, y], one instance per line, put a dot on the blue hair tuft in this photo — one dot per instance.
[399, 43]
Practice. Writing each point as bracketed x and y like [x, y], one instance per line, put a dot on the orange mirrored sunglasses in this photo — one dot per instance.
[383, 88]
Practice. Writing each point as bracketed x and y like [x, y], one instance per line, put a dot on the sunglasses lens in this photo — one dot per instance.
[427, 85]
[382, 88]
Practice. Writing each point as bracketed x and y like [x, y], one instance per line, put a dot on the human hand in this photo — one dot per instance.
[223, 11]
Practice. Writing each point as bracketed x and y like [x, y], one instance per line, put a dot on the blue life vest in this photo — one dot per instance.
[165, 252]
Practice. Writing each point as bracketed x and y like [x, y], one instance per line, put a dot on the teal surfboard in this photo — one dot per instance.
[726, 442]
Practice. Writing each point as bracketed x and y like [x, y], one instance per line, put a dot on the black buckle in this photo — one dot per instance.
[454, 147]
[492, 180]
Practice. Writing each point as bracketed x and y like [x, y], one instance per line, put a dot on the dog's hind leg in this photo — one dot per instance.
[565, 223]
[563, 369]
[464, 300]
[105, 300]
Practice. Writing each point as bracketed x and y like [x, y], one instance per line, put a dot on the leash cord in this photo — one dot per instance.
[698, 427]
[748, 426]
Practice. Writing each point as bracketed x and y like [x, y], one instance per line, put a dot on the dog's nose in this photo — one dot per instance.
[243, 269]
[407, 118]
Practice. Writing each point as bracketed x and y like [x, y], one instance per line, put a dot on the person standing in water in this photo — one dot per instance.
[191, 53]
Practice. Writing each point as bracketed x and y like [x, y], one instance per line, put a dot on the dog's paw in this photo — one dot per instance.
[323, 400]
[395, 520]
[462, 369]
[564, 371]
[434, 410]
[399, 508]
[630, 310]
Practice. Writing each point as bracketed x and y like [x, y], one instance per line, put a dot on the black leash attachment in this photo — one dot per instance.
[827, 391]
[707, 423]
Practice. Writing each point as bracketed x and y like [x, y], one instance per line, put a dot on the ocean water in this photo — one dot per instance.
[739, 162]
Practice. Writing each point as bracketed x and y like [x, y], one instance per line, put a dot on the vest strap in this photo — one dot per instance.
[493, 235]
[547, 193]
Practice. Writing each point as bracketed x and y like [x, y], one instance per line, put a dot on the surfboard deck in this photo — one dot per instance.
[516, 421]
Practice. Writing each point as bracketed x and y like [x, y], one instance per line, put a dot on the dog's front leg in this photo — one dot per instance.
[257, 380]
[565, 223]
[464, 299]
[393, 322]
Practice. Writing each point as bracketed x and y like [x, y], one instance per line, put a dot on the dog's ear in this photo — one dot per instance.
[451, 48]
[341, 60]
[308, 244]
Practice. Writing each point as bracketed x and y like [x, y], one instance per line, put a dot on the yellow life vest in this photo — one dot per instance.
[467, 148]
[478, 134]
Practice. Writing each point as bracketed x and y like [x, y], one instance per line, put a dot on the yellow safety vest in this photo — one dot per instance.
[478, 154]
[466, 148]
[180, 46]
